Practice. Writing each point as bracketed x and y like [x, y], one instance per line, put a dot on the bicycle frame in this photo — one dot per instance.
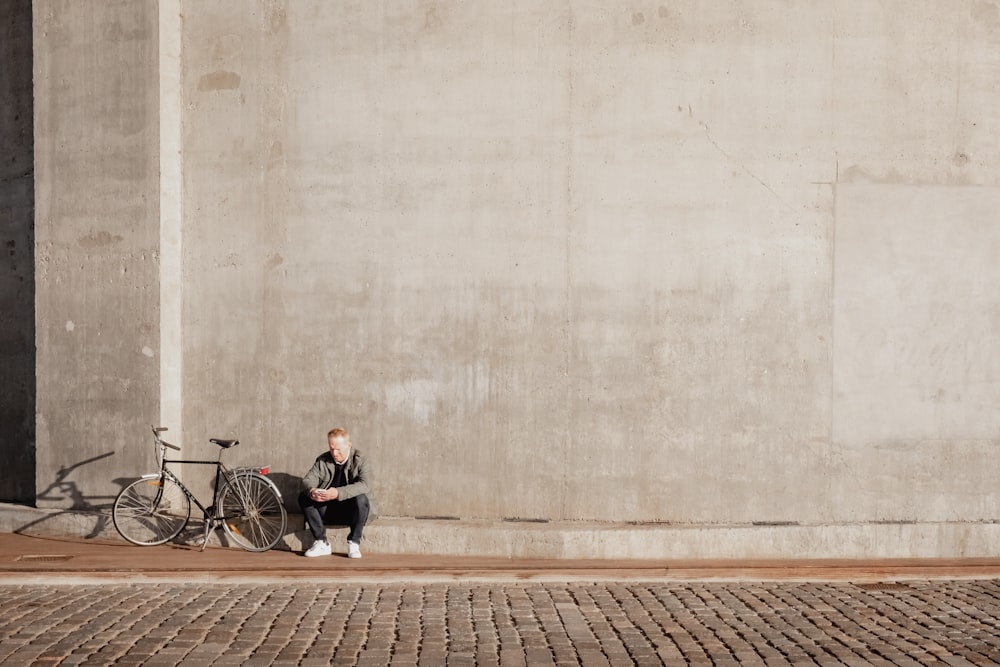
[220, 473]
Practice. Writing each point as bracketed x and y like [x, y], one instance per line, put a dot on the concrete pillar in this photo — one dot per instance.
[97, 245]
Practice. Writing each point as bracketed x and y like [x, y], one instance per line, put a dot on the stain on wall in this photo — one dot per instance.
[219, 81]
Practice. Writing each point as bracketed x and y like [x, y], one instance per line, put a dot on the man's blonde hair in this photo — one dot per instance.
[339, 433]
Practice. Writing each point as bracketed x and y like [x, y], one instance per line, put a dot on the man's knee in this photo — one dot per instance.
[305, 501]
[364, 504]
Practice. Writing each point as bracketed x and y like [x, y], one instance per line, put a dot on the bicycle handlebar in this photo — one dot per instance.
[157, 430]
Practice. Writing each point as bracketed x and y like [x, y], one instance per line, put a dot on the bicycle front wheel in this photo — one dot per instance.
[151, 511]
[252, 513]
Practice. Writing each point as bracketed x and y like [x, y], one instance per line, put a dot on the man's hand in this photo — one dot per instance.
[323, 495]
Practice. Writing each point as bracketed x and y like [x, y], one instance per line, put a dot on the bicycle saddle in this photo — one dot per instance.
[225, 444]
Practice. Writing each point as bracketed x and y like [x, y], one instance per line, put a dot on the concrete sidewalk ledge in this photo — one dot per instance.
[585, 540]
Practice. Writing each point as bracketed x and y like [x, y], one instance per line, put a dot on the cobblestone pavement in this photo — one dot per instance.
[920, 623]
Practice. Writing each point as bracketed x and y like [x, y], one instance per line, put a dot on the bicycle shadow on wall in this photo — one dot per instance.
[82, 507]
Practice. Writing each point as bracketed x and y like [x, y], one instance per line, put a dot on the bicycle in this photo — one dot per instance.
[156, 507]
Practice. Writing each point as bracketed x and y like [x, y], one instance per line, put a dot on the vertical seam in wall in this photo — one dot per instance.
[171, 215]
[568, 324]
[833, 304]
[832, 343]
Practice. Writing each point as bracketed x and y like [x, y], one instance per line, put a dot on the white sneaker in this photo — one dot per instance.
[319, 548]
[353, 550]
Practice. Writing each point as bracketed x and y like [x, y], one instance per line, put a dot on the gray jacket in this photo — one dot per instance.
[358, 471]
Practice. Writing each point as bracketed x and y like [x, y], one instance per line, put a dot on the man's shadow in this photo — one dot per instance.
[289, 486]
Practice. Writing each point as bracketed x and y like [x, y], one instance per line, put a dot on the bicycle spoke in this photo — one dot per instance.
[253, 514]
[151, 511]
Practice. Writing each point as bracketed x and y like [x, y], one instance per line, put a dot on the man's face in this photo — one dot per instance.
[340, 447]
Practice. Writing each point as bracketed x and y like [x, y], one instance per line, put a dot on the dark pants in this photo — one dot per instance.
[352, 512]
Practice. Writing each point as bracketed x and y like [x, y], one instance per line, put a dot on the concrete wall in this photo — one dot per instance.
[492, 242]
[703, 263]
[17, 275]
[97, 234]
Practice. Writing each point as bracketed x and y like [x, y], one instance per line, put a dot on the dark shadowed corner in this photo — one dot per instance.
[17, 264]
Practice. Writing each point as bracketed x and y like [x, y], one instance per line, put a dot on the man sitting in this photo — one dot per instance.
[336, 491]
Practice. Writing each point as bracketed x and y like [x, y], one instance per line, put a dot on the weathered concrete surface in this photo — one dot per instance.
[96, 244]
[17, 273]
[703, 264]
[916, 345]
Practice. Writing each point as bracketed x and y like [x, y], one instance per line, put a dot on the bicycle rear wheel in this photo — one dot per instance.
[151, 511]
[252, 513]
